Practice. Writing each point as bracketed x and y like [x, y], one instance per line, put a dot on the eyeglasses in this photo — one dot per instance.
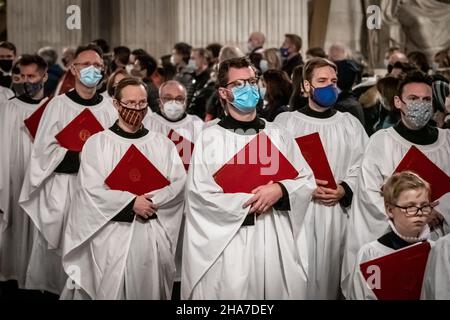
[240, 83]
[88, 64]
[180, 100]
[134, 105]
[412, 211]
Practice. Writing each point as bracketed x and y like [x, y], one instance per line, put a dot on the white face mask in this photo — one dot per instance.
[173, 110]
[192, 64]
[128, 68]
[264, 65]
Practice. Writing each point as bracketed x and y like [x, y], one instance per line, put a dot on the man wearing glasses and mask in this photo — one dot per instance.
[383, 154]
[51, 178]
[129, 235]
[243, 243]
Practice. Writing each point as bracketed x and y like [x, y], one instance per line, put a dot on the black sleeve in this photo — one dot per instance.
[346, 200]
[283, 204]
[70, 163]
[127, 214]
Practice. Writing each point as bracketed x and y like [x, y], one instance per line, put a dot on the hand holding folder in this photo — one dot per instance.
[314, 153]
[32, 122]
[75, 134]
[136, 174]
[399, 275]
[258, 163]
[417, 162]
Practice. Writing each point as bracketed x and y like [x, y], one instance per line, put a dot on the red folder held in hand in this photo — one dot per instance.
[400, 273]
[258, 163]
[415, 161]
[312, 150]
[184, 147]
[75, 134]
[136, 174]
[32, 122]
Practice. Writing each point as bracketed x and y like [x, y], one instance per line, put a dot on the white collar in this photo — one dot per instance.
[424, 235]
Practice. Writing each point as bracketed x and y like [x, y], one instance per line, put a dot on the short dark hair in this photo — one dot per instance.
[314, 64]
[184, 50]
[214, 48]
[419, 59]
[225, 66]
[103, 44]
[8, 45]
[414, 77]
[316, 52]
[295, 40]
[139, 52]
[122, 54]
[29, 59]
[89, 47]
[148, 63]
[125, 82]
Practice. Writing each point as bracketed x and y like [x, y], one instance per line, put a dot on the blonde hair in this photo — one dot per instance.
[400, 182]
[273, 58]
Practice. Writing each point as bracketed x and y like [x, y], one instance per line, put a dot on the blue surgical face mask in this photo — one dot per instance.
[245, 98]
[325, 97]
[90, 76]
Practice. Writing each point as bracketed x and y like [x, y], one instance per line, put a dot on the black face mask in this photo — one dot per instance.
[32, 89]
[390, 67]
[18, 89]
[6, 64]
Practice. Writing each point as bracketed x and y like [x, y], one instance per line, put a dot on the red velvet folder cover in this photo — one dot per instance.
[183, 145]
[32, 122]
[136, 174]
[415, 161]
[75, 134]
[312, 150]
[249, 168]
[401, 273]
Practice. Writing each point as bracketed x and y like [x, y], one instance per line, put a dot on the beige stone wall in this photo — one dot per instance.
[154, 25]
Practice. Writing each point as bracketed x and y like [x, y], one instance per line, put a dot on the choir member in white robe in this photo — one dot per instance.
[172, 118]
[16, 228]
[5, 94]
[50, 181]
[436, 285]
[228, 252]
[404, 193]
[122, 244]
[344, 140]
[385, 150]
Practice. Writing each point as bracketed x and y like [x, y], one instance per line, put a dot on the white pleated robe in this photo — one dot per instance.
[5, 94]
[189, 128]
[46, 195]
[436, 281]
[16, 228]
[344, 140]
[222, 259]
[120, 260]
[368, 220]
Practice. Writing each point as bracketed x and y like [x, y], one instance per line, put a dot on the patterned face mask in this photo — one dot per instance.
[133, 117]
[418, 114]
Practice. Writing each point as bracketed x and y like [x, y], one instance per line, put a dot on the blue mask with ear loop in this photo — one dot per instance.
[325, 97]
[245, 98]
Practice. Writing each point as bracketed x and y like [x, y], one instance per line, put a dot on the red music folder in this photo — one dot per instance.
[417, 162]
[312, 150]
[32, 122]
[401, 273]
[75, 134]
[184, 147]
[258, 163]
[136, 174]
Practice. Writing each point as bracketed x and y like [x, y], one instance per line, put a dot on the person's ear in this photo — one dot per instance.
[116, 104]
[389, 210]
[307, 86]
[224, 94]
[74, 70]
[45, 78]
[398, 102]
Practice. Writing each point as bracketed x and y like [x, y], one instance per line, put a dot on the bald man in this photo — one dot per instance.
[256, 43]
[183, 129]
